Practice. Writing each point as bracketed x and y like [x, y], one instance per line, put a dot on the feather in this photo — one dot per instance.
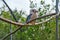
[28, 18]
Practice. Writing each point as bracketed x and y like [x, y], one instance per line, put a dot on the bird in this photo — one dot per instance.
[31, 16]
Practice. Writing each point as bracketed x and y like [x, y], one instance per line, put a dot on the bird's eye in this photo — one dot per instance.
[33, 10]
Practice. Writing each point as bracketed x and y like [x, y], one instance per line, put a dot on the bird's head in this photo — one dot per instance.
[33, 11]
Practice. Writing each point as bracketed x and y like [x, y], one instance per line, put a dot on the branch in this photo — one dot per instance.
[21, 26]
[44, 16]
[45, 20]
[11, 22]
[11, 33]
[10, 10]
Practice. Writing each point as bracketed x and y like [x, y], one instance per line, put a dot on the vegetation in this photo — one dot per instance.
[45, 31]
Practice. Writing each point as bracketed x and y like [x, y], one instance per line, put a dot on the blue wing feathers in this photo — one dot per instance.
[28, 18]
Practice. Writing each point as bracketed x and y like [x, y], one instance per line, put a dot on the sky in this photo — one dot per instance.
[22, 4]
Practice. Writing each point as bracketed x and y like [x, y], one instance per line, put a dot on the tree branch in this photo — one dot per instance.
[19, 24]
[11, 33]
[21, 27]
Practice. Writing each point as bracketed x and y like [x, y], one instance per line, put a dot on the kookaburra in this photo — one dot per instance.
[31, 16]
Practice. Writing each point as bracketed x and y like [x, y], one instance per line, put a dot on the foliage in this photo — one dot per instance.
[45, 31]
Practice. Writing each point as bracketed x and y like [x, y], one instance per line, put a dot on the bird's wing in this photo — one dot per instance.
[28, 18]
